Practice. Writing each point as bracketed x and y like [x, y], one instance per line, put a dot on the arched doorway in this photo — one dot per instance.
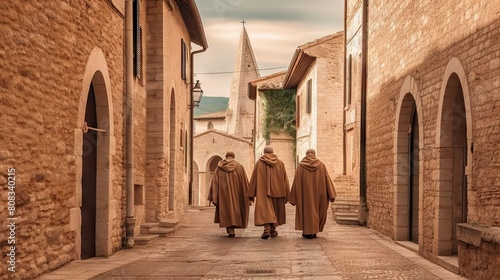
[413, 176]
[210, 168]
[453, 161]
[453, 149]
[89, 179]
[93, 155]
[408, 166]
[172, 144]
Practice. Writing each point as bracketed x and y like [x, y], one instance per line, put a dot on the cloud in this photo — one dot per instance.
[276, 10]
[275, 28]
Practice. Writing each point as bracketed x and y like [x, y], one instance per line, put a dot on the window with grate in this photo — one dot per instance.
[309, 97]
[137, 39]
[185, 150]
[183, 59]
[180, 139]
[348, 82]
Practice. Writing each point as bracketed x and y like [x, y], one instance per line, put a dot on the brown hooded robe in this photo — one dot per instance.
[311, 192]
[228, 191]
[269, 185]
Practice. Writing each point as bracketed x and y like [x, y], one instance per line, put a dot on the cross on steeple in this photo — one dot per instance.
[243, 23]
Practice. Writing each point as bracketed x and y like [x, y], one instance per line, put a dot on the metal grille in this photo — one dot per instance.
[260, 271]
[137, 39]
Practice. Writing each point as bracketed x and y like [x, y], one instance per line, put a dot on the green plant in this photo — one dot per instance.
[279, 112]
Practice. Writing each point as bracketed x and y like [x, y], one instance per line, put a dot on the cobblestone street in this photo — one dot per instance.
[200, 250]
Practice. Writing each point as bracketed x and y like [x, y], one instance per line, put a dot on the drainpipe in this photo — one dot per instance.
[362, 159]
[344, 132]
[191, 123]
[129, 140]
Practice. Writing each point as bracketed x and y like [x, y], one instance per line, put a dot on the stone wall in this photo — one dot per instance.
[322, 129]
[167, 113]
[52, 54]
[430, 54]
[45, 52]
[474, 48]
[212, 144]
[283, 146]
[353, 87]
[479, 251]
[330, 106]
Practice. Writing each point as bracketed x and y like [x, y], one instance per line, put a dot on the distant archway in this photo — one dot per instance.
[210, 168]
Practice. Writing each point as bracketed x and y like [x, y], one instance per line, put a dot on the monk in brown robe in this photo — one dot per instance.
[228, 192]
[269, 184]
[312, 191]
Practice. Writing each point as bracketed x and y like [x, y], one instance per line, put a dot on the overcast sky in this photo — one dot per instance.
[275, 29]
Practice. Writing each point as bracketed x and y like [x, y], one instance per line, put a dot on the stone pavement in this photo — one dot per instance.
[201, 250]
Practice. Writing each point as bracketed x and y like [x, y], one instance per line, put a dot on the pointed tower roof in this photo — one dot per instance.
[240, 111]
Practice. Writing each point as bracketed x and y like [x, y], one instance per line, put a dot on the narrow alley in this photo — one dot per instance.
[201, 250]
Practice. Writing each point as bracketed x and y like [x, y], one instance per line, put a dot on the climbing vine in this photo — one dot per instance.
[279, 112]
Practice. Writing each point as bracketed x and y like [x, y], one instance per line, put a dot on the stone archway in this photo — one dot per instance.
[408, 166]
[209, 170]
[453, 139]
[97, 85]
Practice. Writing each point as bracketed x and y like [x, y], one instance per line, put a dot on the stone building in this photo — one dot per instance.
[80, 192]
[211, 114]
[422, 79]
[283, 143]
[315, 71]
[316, 74]
[211, 146]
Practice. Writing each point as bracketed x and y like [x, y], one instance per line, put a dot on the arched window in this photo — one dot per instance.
[210, 125]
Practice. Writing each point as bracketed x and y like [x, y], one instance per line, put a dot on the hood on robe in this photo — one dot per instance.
[228, 165]
[269, 159]
[310, 162]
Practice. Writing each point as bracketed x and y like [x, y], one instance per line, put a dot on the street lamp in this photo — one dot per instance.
[197, 94]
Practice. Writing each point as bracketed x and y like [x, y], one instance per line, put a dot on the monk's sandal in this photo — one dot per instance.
[265, 235]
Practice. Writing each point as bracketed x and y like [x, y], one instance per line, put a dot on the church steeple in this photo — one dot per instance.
[240, 112]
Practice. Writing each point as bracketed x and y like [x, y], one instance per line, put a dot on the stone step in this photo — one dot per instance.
[161, 231]
[344, 183]
[343, 190]
[354, 202]
[146, 226]
[144, 239]
[344, 196]
[341, 204]
[347, 221]
[346, 211]
[169, 223]
[346, 215]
